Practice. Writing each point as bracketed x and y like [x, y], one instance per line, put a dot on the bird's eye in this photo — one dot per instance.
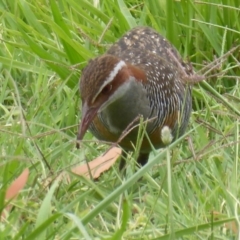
[107, 89]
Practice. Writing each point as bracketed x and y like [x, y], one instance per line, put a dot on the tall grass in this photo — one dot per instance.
[44, 46]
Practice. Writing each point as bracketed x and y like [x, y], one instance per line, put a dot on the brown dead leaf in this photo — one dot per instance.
[231, 226]
[97, 167]
[17, 185]
[99, 164]
[14, 189]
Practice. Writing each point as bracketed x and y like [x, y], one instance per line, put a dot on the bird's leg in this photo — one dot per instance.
[142, 159]
[122, 164]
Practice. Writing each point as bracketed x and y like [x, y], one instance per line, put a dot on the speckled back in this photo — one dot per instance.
[167, 91]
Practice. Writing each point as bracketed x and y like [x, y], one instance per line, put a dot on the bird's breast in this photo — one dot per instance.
[126, 106]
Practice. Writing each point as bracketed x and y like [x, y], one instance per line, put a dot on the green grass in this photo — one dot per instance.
[44, 46]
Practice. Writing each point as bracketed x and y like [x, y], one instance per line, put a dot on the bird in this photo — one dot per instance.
[142, 75]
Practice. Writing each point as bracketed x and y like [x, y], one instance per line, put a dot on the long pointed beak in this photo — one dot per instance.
[88, 115]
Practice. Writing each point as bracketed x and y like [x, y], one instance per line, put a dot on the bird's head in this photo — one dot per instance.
[100, 85]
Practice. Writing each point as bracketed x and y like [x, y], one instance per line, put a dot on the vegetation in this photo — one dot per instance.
[189, 190]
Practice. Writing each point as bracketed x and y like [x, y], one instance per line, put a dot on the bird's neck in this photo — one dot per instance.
[127, 102]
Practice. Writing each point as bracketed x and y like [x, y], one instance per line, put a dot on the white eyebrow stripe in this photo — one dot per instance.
[110, 78]
[114, 73]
